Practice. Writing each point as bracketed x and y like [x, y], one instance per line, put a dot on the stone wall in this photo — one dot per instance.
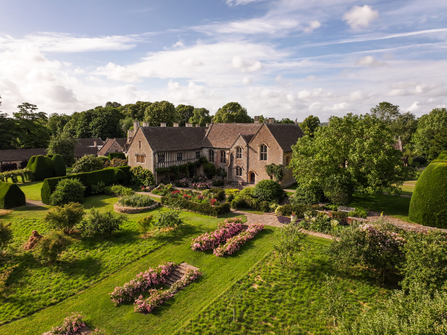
[140, 146]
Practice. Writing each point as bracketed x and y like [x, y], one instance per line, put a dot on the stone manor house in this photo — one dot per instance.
[241, 149]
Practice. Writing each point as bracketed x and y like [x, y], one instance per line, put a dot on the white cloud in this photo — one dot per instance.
[178, 44]
[414, 107]
[360, 17]
[173, 85]
[246, 81]
[369, 61]
[312, 26]
[239, 2]
[119, 73]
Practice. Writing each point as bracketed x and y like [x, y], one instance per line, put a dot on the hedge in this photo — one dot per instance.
[287, 210]
[41, 166]
[11, 196]
[58, 165]
[119, 155]
[109, 176]
[428, 204]
[205, 209]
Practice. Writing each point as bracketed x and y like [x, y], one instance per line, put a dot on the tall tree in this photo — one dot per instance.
[358, 149]
[63, 145]
[57, 122]
[200, 116]
[136, 111]
[160, 111]
[184, 113]
[286, 121]
[428, 126]
[310, 125]
[31, 127]
[232, 112]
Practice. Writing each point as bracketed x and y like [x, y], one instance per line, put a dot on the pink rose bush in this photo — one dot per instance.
[142, 282]
[157, 297]
[71, 325]
[235, 243]
[225, 230]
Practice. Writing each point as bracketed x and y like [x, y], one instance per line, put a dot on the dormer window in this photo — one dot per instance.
[238, 152]
[263, 152]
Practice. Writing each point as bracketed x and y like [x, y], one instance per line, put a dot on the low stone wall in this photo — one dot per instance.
[133, 210]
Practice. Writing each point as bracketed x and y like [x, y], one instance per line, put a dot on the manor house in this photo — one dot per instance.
[241, 149]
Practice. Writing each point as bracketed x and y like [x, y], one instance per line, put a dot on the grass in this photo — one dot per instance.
[270, 299]
[391, 205]
[218, 275]
[32, 190]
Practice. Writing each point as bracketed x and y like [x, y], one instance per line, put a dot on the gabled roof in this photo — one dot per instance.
[223, 135]
[87, 146]
[16, 155]
[109, 142]
[285, 134]
[174, 138]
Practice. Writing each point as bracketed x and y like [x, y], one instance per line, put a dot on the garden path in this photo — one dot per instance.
[373, 216]
[34, 203]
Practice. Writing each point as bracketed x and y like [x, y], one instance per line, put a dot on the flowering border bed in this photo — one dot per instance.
[236, 242]
[71, 325]
[157, 297]
[225, 230]
[142, 282]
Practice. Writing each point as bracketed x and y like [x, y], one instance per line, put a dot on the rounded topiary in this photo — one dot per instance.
[41, 166]
[268, 190]
[428, 204]
[59, 166]
[67, 190]
[11, 196]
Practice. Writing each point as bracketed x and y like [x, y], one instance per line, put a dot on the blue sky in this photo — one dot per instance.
[282, 58]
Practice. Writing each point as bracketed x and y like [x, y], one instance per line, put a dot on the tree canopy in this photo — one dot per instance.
[31, 127]
[354, 149]
[200, 116]
[310, 125]
[184, 113]
[160, 111]
[232, 112]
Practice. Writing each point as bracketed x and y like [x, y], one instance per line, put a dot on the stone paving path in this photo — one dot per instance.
[373, 216]
[34, 203]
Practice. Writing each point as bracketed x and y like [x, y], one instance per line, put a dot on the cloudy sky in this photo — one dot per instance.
[279, 58]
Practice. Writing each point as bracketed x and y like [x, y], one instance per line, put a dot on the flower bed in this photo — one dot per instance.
[132, 210]
[71, 326]
[207, 241]
[157, 297]
[142, 282]
[236, 242]
[203, 208]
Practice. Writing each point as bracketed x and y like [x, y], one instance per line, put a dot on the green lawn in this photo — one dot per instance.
[272, 300]
[218, 275]
[31, 189]
[395, 206]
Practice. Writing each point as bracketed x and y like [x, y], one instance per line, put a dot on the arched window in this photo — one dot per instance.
[223, 158]
[238, 171]
[238, 152]
[263, 155]
[211, 155]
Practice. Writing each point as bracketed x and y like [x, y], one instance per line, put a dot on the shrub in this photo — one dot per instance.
[136, 200]
[144, 224]
[98, 188]
[51, 246]
[359, 213]
[429, 199]
[238, 202]
[184, 182]
[88, 163]
[268, 190]
[220, 196]
[109, 176]
[101, 223]
[67, 190]
[5, 234]
[202, 208]
[41, 166]
[218, 182]
[170, 219]
[288, 241]
[119, 155]
[141, 177]
[247, 191]
[210, 170]
[307, 195]
[11, 196]
[116, 162]
[59, 166]
[118, 190]
[65, 217]
[338, 190]
[288, 209]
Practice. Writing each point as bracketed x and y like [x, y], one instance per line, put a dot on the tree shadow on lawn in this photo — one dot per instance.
[120, 237]
[87, 267]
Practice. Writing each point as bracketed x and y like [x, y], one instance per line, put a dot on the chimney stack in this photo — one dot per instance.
[207, 125]
[188, 124]
[271, 120]
[197, 125]
[256, 119]
[175, 124]
[162, 124]
[145, 124]
[136, 125]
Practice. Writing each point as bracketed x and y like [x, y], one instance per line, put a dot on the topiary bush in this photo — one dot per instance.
[307, 195]
[119, 155]
[88, 163]
[59, 166]
[428, 202]
[141, 177]
[11, 196]
[41, 166]
[268, 190]
[67, 190]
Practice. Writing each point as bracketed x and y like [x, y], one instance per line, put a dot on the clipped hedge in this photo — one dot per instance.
[41, 166]
[428, 204]
[11, 196]
[205, 209]
[119, 155]
[109, 176]
[59, 166]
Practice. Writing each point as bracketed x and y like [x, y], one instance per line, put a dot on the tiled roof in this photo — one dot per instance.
[109, 142]
[86, 146]
[285, 134]
[174, 138]
[223, 135]
[17, 155]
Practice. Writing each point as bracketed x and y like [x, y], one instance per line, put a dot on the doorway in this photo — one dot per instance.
[252, 178]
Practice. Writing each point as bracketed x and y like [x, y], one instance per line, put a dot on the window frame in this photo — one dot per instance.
[211, 155]
[263, 153]
[179, 156]
[140, 158]
[238, 153]
[223, 156]
[197, 154]
[238, 171]
[161, 158]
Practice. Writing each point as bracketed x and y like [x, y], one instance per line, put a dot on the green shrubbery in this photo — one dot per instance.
[42, 167]
[144, 224]
[119, 155]
[118, 190]
[51, 246]
[170, 219]
[136, 200]
[65, 217]
[5, 234]
[101, 223]
[428, 202]
[59, 166]
[108, 176]
[141, 176]
[268, 190]
[88, 163]
[307, 195]
[67, 190]
[11, 196]
[288, 209]
[203, 208]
